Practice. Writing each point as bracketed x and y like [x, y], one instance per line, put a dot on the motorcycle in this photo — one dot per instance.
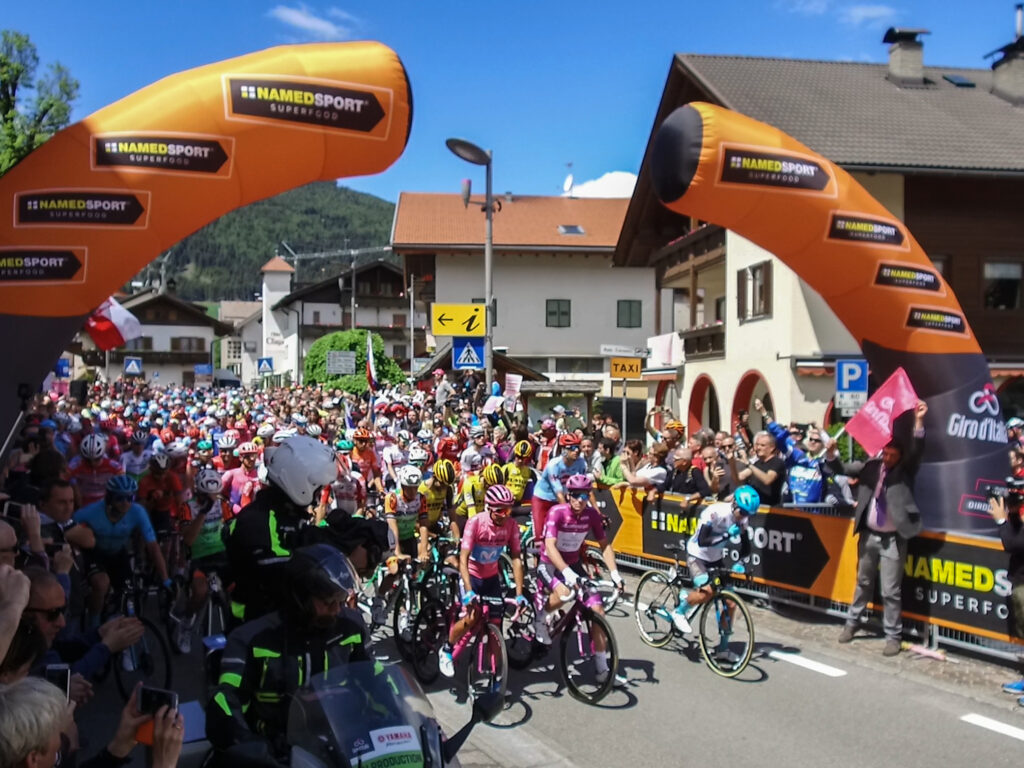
[364, 715]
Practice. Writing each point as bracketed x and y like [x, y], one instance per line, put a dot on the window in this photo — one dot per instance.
[941, 264]
[1002, 284]
[754, 291]
[539, 364]
[629, 313]
[579, 364]
[398, 320]
[141, 344]
[399, 352]
[234, 348]
[316, 317]
[570, 229]
[558, 313]
[188, 344]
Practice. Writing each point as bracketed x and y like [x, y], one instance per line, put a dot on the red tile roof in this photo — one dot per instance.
[430, 219]
[277, 264]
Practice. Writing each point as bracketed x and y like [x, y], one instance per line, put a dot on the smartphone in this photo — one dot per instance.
[12, 509]
[60, 676]
[151, 699]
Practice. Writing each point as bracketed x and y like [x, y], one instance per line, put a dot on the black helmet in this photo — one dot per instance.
[318, 570]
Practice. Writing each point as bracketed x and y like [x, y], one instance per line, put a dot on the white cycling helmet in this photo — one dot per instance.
[282, 435]
[410, 476]
[227, 441]
[160, 459]
[208, 481]
[266, 431]
[301, 465]
[93, 447]
[314, 430]
[418, 455]
[177, 449]
[381, 422]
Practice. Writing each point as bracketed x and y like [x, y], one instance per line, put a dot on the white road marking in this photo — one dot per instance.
[803, 661]
[994, 725]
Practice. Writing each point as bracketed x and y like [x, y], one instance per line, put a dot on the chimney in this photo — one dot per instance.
[1008, 72]
[906, 56]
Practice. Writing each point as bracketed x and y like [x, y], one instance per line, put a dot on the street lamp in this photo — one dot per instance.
[471, 153]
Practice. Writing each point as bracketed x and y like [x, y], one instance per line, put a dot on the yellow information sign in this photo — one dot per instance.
[458, 320]
[626, 367]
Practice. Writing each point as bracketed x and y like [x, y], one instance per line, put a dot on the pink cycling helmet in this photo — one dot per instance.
[578, 483]
[499, 496]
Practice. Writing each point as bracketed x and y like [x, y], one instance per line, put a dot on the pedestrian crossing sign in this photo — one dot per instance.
[133, 366]
[265, 365]
[467, 353]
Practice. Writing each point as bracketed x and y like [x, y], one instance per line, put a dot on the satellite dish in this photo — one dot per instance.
[567, 184]
[467, 187]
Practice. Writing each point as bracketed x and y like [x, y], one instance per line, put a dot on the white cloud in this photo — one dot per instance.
[302, 19]
[861, 15]
[611, 184]
[804, 7]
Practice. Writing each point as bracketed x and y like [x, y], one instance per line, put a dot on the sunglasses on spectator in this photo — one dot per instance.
[728, 445]
[813, 439]
[50, 614]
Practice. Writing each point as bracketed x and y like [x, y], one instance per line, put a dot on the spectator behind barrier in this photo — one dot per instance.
[1007, 514]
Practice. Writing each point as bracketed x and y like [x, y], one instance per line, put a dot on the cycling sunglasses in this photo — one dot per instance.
[122, 497]
[580, 495]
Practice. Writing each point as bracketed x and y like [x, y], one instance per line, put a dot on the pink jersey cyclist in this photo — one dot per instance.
[570, 531]
[484, 541]
[91, 478]
[238, 483]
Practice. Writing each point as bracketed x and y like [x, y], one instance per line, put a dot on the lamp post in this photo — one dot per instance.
[471, 153]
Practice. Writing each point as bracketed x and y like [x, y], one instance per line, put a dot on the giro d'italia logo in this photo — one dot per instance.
[985, 401]
[308, 102]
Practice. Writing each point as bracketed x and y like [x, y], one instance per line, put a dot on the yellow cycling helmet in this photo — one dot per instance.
[494, 474]
[444, 471]
[523, 449]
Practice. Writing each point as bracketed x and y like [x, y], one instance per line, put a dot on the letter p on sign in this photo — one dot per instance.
[851, 376]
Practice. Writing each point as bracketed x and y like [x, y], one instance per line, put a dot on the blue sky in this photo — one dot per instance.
[541, 84]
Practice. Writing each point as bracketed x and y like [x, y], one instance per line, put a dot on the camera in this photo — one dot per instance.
[12, 510]
[1012, 490]
[60, 676]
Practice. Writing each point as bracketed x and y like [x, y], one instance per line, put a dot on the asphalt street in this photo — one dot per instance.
[804, 701]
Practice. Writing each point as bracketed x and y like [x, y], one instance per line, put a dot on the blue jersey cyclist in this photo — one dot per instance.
[706, 549]
[114, 519]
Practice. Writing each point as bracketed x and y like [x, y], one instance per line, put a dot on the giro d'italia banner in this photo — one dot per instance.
[103, 197]
[720, 166]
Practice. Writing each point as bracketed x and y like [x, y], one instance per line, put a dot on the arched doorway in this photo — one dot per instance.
[752, 386]
[703, 410]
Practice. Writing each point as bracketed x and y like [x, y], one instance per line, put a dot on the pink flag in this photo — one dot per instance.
[111, 325]
[872, 425]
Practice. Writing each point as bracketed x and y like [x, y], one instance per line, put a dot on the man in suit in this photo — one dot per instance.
[885, 518]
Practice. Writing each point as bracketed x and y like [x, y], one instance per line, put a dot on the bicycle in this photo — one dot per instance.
[725, 629]
[487, 669]
[149, 659]
[575, 626]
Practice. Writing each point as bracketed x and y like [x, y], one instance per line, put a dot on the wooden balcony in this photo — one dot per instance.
[704, 343]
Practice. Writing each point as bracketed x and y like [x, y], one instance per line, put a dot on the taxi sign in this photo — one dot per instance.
[458, 320]
[626, 367]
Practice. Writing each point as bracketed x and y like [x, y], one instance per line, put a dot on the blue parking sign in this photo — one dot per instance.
[851, 385]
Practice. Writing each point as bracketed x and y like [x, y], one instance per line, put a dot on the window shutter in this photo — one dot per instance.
[741, 294]
[768, 288]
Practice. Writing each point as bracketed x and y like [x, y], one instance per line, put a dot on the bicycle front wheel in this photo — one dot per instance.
[428, 635]
[404, 617]
[599, 573]
[656, 600]
[726, 634]
[519, 636]
[578, 658]
[148, 662]
[487, 669]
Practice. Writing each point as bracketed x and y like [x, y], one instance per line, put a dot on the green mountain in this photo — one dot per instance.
[223, 259]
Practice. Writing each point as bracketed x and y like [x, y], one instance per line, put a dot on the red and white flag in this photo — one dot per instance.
[111, 325]
[872, 425]
[371, 369]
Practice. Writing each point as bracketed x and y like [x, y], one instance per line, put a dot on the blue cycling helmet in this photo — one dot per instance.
[122, 485]
[747, 499]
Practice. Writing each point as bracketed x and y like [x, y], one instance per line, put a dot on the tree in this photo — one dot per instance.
[27, 122]
[351, 341]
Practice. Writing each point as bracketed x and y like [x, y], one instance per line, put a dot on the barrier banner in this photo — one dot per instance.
[721, 166]
[103, 197]
[958, 582]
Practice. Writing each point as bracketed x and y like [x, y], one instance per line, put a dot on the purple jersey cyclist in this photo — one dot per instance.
[566, 528]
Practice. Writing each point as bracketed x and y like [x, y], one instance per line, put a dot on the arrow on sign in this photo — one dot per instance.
[790, 548]
[443, 319]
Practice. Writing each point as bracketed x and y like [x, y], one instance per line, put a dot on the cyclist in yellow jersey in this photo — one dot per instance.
[470, 497]
[438, 495]
[519, 474]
